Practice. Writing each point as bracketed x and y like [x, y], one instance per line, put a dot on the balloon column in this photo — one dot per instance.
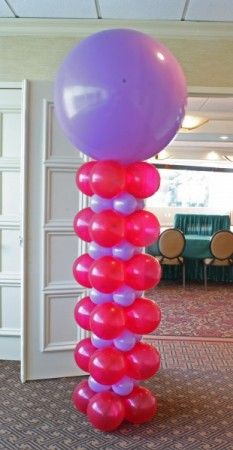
[120, 98]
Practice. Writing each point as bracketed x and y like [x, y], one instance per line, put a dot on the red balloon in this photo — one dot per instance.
[82, 312]
[107, 365]
[81, 268]
[142, 228]
[108, 178]
[83, 352]
[107, 274]
[142, 179]
[107, 320]
[82, 393]
[140, 405]
[143, 272]
[107, 228]
[81, 223]
[106, 411]
[83, 178]
[143, 361]
[143, 316]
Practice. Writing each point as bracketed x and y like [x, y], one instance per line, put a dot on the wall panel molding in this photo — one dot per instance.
[48, 261]
[10, 332]
[75, 158]
[9, 223]
[48, 344]
[10, 279]
[50, 190]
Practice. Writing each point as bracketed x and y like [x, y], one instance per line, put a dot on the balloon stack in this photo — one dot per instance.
[119, 97]
[117, 272]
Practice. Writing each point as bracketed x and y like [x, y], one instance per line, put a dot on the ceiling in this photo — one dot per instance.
[184, 10]
[219, 126]
[212, 140]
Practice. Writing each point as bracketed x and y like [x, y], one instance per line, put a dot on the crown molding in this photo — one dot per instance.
[216, 91]
[81, 28]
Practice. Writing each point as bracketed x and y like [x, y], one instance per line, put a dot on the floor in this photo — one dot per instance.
[194, 394]
[195, 312]
[194, 354]
[193, 389]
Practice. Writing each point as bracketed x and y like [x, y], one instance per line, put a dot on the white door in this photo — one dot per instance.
[10, 223]
[49, 329]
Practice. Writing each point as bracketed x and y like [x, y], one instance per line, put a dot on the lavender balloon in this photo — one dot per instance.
[124, 296]
[100, 343]
[140, 203]
[138, 250]
[125, 203]
[97, 387]
[124, 250]
[97, 251]
[138, 337]
[120, 95]
[124, 386]
[125, 342]
[99, 297]
[99, 204]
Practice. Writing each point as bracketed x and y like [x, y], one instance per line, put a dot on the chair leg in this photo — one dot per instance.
[183, 269]
[205, 276]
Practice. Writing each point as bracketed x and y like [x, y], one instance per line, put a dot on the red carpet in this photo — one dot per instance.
[194, 312]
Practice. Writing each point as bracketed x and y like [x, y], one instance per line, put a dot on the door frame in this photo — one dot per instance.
[24, 224]
[23, 85]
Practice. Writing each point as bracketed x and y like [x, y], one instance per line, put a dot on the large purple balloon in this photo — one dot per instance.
[120, 95]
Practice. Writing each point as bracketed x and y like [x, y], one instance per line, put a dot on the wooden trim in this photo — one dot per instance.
[44, 28]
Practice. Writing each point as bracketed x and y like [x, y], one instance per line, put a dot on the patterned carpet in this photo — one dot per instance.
[194, 391]
[203, 356]
[194, 312]
[193, 387]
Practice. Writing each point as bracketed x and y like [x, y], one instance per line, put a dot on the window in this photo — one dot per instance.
[194, 187]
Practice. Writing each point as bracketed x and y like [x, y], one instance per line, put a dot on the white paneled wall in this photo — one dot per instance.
[10, 216]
